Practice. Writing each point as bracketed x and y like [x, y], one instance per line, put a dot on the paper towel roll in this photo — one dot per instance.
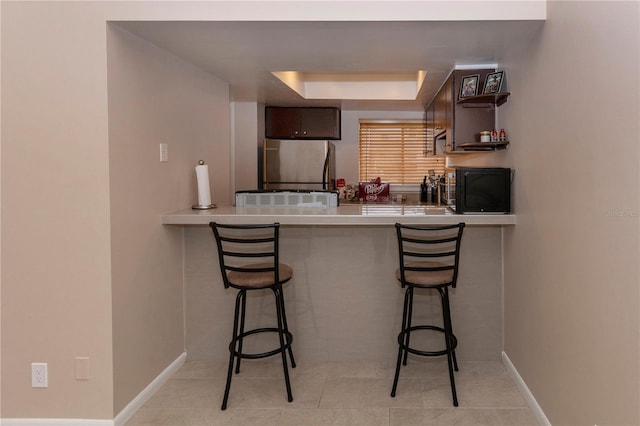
[204, 193]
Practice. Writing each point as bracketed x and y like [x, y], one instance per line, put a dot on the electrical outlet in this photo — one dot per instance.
[39, 375]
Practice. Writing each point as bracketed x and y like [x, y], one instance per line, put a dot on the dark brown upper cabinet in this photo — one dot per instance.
[302, 123]
[431, 128]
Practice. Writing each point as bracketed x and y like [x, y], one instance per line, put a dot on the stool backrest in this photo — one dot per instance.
[429, 249]
[243, 245]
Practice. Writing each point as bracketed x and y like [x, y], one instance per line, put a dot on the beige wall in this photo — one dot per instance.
[155, 97]
[61, 293]
[0, 211]
[56, 262]
[246, 140]
[571, 263]
[571, 295]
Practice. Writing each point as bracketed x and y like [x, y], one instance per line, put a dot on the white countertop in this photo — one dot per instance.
[348, 214]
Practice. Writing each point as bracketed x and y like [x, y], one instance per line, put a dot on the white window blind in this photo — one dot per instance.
[395, 151]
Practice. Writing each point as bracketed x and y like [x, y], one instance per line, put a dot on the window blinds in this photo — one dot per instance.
[395, 151]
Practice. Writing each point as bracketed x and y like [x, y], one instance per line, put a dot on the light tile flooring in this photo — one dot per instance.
[337, 393]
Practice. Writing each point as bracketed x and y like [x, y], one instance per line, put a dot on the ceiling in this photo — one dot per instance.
[244, 54]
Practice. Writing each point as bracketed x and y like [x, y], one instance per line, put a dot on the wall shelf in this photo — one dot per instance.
[482, 101]
[453, 121]
[483, 146]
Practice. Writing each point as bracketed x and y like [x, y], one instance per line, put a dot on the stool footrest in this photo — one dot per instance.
[288, 340]
[401, 338]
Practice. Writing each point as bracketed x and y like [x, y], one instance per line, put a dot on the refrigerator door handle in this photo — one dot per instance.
[325, 170]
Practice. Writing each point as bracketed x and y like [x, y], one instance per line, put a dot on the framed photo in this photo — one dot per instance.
[493, 83]
[469, 85]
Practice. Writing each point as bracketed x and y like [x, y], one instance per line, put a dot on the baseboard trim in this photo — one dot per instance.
[137, 402]
[56, 422]
[122, 417]
[526, 393]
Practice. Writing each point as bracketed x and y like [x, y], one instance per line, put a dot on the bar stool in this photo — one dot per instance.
[249, 260]
[441, 246]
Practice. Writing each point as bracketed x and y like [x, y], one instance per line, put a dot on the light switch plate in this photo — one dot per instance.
[82, 368]
[164, 152]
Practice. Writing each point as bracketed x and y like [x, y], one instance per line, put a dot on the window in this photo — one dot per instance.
[395, 151]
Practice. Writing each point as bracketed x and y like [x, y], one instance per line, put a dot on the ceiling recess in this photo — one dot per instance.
[354, 86]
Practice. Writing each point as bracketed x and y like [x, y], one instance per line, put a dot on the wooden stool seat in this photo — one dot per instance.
[421, 278]
[260, 279]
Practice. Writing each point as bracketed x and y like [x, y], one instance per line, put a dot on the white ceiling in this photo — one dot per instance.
[245, 53]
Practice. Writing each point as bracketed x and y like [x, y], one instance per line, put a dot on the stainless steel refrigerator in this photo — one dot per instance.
[298, 164]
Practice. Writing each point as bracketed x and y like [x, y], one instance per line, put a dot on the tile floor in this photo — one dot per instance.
[337, 393]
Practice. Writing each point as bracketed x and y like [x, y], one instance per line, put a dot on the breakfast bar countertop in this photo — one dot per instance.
[345, 214]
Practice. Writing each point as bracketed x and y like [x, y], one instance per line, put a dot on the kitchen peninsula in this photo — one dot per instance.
[347, 214]
[344, 302]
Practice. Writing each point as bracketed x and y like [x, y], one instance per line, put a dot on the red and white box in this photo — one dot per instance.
[341, 188]
[373, 191]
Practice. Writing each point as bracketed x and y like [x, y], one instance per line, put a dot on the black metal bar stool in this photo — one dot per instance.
[429, 257]
[249, 260]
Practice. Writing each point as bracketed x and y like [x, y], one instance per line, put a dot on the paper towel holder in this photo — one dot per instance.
[205, 206]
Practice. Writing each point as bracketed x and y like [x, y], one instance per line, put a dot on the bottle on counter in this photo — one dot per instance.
[423, 190]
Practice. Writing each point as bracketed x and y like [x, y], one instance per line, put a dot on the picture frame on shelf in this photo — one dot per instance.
[493, 83]
[469, 86]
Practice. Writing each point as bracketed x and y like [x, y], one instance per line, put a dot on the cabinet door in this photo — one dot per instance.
[439, 113]
[448, 113]
[443, 117]
[281, 123]
[320, 123]
[430, 130]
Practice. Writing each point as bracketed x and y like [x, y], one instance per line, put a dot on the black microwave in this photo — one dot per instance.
[478, 190]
